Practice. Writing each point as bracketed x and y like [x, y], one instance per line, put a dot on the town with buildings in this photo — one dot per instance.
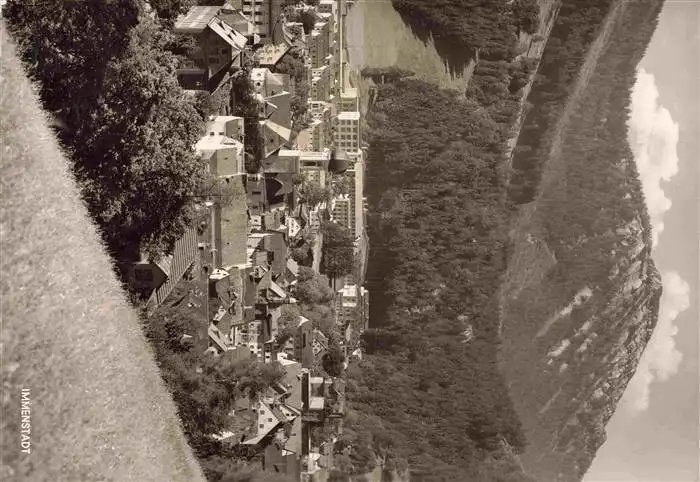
[240, 254]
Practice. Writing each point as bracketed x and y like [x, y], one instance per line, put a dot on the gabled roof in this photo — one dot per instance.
[293, 267]
[280, 164]
[275, 136]
[284, 133]
[195, 20]
[281, 106]
[164, 263]
[228, 34]
[277, 290]
[237, 20]
[271, 54]
[293, 444]
[215, 336]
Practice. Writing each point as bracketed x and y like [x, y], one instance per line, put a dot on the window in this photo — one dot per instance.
[269, 420]
[262, 425]
[224, 51]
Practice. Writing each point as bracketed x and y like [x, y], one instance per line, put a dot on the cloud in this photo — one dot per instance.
[661, 358]
[653, 137]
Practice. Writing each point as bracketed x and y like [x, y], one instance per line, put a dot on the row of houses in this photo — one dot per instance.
[241, 246]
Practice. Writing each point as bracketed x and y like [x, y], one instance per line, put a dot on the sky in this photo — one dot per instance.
[653, 435]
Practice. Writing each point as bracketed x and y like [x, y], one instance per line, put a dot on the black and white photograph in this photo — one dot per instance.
[350, 240]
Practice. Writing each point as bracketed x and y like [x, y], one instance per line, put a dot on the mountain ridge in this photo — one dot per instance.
[581, 296]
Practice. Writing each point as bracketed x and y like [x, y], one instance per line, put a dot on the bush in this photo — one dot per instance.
[338, 252]
[332, 361]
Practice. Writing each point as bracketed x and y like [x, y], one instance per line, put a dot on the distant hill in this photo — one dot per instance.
[582, 293]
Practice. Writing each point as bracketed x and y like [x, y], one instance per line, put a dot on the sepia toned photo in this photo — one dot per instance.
[350, 240]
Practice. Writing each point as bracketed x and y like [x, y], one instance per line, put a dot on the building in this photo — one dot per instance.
[269, 249]
[318, 44]
[274, 99]
[349, 100]
[350, 304]
[342, 212]
[299, 347]
[321, 85]
[156, 279]
[225, 309]
[347, 132]
[321, 124]
[222, 146]
[348, 209]
[219, 49]
[283, 162]
[266, 15]
[327, 6]
[223, 232]
[268, 84]
[270, 55]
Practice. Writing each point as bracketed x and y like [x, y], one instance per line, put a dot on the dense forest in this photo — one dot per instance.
[426, 396]
[577, 24]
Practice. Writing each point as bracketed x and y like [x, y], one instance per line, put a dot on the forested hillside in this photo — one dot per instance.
[582, 293]
[431, 396]
[577, 25]
[428, 396]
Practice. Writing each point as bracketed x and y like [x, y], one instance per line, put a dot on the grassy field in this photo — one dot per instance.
[378, 37]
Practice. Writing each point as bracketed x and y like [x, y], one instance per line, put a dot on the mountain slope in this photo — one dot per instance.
[581, 294]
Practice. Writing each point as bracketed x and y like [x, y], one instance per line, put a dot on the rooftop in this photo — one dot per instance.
[228, 34]
[349, 115]
[233, 222]
[196, 19]
[271, 54]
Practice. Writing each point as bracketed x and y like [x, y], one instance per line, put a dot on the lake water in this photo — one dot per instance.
[377, 36]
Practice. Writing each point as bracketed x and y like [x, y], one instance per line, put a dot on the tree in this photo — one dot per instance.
[527, 15]
[308, 20]
[341, 184]
[322, 318]
[313, 193]
[61, 51]
[138, 170]
[223, 191]
[130, 126]
[332, 361]
[244, 104]
[314, 291]
[338, 253]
